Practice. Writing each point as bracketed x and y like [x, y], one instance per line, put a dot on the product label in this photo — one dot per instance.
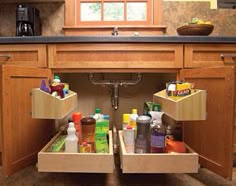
[158, 141]
[129, 140]
[140, 146]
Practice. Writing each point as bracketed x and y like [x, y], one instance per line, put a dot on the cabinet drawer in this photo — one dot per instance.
[116, 56]
[46, 106]
[208, 55]
[157, 163]
[30, 55]
[76, 162]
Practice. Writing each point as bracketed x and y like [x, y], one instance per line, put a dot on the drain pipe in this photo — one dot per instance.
[115, 84]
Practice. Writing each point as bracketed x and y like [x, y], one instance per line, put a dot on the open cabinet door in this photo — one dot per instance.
[22, 136]
[212, 138]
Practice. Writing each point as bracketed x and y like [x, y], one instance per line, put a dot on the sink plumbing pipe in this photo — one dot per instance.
[115, 84]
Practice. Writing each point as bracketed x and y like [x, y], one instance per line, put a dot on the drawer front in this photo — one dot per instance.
[208, 55]
[76, 162]
[116, 56]
[157, 163]
[28, 55]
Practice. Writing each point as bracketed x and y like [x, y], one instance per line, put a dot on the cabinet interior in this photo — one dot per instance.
[132, 96]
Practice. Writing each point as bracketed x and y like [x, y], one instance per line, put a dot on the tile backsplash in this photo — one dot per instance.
[52, 18]
[175, 14]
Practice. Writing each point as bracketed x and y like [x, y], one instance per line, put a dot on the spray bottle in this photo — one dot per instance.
[157, 133]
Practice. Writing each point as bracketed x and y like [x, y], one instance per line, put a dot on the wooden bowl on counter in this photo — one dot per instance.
[195, 29]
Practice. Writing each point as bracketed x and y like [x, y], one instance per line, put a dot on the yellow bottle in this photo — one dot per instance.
[125, 120]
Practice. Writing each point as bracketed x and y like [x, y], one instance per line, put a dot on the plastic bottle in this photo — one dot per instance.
[71, 141]
[56, 79]
[158, 133]
[132, 119]
[88, 131]
[169, 132]
[76, 117]
[125, 120]
[129, 139]
[142, 140]
[98, 114]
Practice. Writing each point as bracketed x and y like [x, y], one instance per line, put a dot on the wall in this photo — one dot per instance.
[175, 15]
[178, 13]
[52, 18]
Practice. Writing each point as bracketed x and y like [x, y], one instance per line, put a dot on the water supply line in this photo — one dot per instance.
[115, 85]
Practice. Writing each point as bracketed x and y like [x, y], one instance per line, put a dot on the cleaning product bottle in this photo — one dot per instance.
[157, 133]
[125, 120]
[88, 132]
[76, 117]
[71, 141]
[142, 142]
[98, 114]
[132, 120]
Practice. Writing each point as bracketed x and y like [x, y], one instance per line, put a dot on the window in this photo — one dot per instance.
[119, 12]
[86, 17]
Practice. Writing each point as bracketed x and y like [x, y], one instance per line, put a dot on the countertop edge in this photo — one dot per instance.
[117, 39]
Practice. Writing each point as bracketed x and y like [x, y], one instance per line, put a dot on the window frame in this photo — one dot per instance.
[72, 26]
[117, 23]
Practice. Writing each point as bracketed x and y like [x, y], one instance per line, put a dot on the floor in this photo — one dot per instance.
[31, 177]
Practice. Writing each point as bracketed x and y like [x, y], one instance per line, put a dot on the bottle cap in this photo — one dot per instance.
[126, 118]
[129, 127]
[143, 119]
[106, 116]
[97, 110]
[134, 111]
[76, 117]
[88, 121]
[57, 79]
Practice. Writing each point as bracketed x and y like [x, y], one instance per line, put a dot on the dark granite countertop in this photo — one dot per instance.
[118, 39]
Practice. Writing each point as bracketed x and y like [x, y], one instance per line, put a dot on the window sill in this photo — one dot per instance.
[122, 30]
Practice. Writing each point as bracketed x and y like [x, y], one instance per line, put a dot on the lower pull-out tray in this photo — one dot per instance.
[158, 162]
[76, 162]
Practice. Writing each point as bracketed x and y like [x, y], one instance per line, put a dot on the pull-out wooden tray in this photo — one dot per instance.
[187, 108]
[76, 162]
[159, 162]
[45, 106]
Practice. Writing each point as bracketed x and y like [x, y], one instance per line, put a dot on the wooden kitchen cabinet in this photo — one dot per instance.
[208, 55]
[199, 135]
[29, 1]
[33, 55]
[215, 55]
[21, 137]
[210, 139]
[115, 56]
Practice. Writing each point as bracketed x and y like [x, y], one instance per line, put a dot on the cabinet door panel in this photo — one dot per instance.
[23, 137]
[212, 138]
